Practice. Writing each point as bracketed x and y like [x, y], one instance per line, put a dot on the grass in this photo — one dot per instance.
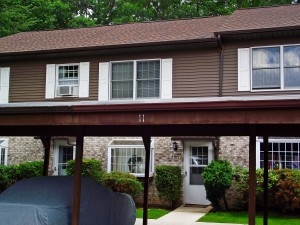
[152, 213]
[242, 218]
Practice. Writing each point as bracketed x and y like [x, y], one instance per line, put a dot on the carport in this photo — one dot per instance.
[223, 116]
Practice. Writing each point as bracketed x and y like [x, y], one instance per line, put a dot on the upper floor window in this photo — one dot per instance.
[129, 156]
[276, 67]
[269, 68]
[67, 80]
[135, 79]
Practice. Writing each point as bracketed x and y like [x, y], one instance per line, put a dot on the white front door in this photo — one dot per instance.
[197, 155]
[62, 154]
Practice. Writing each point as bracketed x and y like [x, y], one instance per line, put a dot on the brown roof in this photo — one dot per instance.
[115, 35]
[264, 18]
[148, 33]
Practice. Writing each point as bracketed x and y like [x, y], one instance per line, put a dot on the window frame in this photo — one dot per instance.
[114, 146]
[281, 67]
[279, 141]
[4, 145]
[57, 80]
[134, 79]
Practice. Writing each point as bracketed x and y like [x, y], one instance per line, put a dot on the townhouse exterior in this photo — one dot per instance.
[251, 55]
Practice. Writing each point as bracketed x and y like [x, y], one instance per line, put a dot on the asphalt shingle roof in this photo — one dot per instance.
[197, 29]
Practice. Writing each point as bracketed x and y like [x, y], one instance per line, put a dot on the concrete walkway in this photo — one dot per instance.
[183, 215]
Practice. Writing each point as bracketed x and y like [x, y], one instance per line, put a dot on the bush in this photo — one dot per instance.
[12, 173]
[287, 190]
[122, 182]
[168, 182]
[90, 168]
[217, 179]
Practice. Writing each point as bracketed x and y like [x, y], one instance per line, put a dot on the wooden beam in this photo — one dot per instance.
[266, 178]
[147, 143]
[252, 176]
[46, 142]
[77, 178]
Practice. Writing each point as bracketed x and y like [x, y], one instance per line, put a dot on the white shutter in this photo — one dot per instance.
[166, 78]
[84, 79]
[50, 81]
[4, 84]
[103, 94]
[243, 69]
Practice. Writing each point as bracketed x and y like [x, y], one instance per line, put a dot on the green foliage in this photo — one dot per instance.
[12, 173]
[217, 179]
[90, 168]
[168, 182]
[122, 182]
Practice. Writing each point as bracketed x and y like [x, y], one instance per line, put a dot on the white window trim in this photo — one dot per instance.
[4, 144]
[57, 78]
[281, 70]
[111, 146]
[134, 80]
[271, 140]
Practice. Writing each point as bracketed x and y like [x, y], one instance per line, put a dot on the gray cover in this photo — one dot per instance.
[48, 201]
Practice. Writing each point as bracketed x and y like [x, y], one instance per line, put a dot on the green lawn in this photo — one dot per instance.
[152, 213]
[242, 218]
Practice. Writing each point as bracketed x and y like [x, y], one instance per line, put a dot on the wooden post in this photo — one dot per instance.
[147, 143]
[46, 142]
[252, 176]
[77, 179]
[266, 170]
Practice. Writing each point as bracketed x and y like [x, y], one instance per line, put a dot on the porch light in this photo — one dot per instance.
[175, 146]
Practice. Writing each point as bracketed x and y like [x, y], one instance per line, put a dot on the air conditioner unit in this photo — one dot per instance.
[65, 90]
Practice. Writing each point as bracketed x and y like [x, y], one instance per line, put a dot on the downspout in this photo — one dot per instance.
[221, 64]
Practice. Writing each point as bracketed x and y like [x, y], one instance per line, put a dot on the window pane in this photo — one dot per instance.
[291, 60]
[68, 75]
[148, 79]
[291, 56]
[266, 78]
[122, 89]
[195, 176]
[266, 57]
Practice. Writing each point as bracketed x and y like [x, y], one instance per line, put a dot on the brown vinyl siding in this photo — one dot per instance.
[230, 80]
[196, 74]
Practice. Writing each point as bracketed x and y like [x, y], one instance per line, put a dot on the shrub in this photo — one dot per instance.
[287, 190]
[122, 182]
[168, 182]
[217, 179]
[90, 168]
[12, 173]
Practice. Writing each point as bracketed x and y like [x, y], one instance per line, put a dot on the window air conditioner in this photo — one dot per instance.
[65, 90]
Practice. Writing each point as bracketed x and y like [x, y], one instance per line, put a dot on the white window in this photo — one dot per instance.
[63, 152]
[135, 79]
[3, 152]
[283, 153]
[129, 156]
[270, 68]
[67, 80]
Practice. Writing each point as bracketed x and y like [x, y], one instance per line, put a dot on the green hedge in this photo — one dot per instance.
[90, 168]
[12, 173]
[168, 182]
[217, 179]
[122, 182]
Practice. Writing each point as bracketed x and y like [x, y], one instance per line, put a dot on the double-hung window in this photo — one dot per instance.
[129, 156]
[135, 79]
[276, 67]
[67, 79]
[282, 153]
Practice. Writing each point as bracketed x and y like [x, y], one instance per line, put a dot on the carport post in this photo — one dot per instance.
[252, 176]
[77, 179]
[266, 178]
[147, 143]
[46, 142]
